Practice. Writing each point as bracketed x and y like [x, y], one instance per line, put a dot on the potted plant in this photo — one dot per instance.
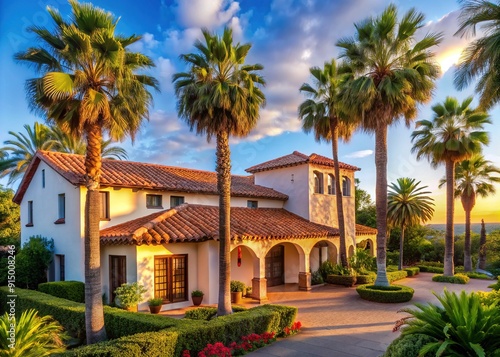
[237, 288]
[197, 297]
[155, 305]
[128, 296]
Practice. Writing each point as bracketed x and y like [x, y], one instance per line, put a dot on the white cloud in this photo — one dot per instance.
[203, 13]
[166, 70]
[359, 154]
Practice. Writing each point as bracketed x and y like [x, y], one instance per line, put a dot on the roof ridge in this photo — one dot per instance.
[167, 214]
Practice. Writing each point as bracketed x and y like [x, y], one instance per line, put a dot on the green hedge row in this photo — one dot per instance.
[71, 290]
[396, 275]
[194, 336]
[346, 280]
[366, 278]
[431, 269]
[207, 313]
[412, 271]
[385, 294]
[456, 279]
[71, 315]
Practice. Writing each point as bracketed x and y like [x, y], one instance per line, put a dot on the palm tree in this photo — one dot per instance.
[70, 144]
[394, 73]
[480, 60]
[473, 177]
[88, 86]
[220, 96]
[454, 134]
[323, 114]
[408, 205]
[21, 149]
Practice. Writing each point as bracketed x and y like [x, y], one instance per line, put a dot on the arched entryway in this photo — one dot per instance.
[350, 252]
[366, 244]
[248, 265]
[323, 251]
[282, 264]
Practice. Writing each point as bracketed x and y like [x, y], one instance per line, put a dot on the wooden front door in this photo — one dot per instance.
[275, 266]
[117, 274]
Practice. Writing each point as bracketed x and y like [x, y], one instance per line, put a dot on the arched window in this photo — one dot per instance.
[346, 186]
[331, 184]
[318, 182]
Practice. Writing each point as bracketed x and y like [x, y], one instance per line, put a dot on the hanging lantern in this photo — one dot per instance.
[239, 256]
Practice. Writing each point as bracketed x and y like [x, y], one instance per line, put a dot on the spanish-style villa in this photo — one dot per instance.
[159, 224]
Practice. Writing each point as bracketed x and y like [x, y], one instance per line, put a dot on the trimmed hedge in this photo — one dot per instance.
[396, 275]
[409, 346]
[456, 279]
[346, 280]
[412, 271]
[475, 275]
[385, 294]
[71, 290]
[363, 279]
[207, 313]
[431, 269]
[495, 286]
[71, 315]
[196, 335]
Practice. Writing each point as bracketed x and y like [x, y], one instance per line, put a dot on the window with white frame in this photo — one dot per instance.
[318, 182]
[331, 184]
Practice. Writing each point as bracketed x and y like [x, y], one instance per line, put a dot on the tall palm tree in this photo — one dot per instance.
[408, 205]
[88, 85]
[21, 149]
[454, 134]
[220, 96]
[323, 114]
[473, 177]
[70, 144]
[394, 73]
[480, 60]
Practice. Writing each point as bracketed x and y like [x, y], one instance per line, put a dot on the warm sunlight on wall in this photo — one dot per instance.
[486, 208]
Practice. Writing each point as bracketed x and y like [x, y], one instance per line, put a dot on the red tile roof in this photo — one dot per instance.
[194, 223]
[295, 159]
[364, 230]
[117, 173]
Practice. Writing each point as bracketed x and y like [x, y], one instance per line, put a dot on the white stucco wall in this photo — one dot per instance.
[292, 266]
[67, 240]
[297, 190]
[245, 272]
[130, 252]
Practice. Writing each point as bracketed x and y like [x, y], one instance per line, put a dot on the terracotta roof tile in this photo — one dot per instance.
[194, 223]
[117, 173]
[297, 158]
[364, 230]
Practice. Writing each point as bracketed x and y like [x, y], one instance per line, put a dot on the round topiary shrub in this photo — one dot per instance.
[385, 294]
[408, 346]
[456, 279]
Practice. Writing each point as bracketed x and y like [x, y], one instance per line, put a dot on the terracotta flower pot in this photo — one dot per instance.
[197, 300]
[236, 297]
[155, 309]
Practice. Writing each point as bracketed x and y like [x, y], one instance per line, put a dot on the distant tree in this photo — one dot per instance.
[481, 263]
[10, 226]
[473, 177]
[32, 262]
[323, 114]
[480, 63]
[455, 134]
[408, 205]
[366, 213]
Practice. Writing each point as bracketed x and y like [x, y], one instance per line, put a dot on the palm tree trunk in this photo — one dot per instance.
[334, 131]
[481, 263]
[449, 247]
[94, 313]
[224, 189]
[381, 202]
[467, 255]
[401, 245]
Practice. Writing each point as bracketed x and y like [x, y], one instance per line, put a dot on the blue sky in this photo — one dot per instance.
[288, 37]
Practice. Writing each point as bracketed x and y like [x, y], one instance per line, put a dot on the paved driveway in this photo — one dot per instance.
[338, 323]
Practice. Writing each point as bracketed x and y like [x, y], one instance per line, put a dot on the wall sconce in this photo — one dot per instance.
[292, 178]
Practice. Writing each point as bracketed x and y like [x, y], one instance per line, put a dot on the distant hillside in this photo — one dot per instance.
[460, 227]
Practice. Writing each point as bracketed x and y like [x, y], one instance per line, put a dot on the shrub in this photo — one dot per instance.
[155, 302]
[71, 290]
[197, 293]
[207, 313]
[433, 264]
[32, 262]
[362, 261]
[363, 279]
[456, 279]
[391, 268]
[412, 271]
[316, 278]
[346, 280]
[385, 294]
[392, 258]
[396, 275]
[475, 275]
[490, 297]
[460, 325]
[326, 268]
[237, 286]
[408, 346]
[128, 295]
[495, 286]
[431, 269]
[34, 336]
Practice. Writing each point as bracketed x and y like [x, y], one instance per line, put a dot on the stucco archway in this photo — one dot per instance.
[367, 244]
[322, 251]
[350, 252]
[249, 267]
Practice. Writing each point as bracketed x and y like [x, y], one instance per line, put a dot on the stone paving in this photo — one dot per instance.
[338, 323]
